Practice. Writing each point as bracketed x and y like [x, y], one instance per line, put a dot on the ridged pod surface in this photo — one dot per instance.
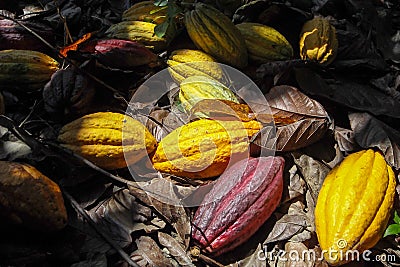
[110, 140]
[139, 31]
[14, 36]
[354, 204]
[241, 200]
[265, 44]
[146, 11]
[203, 148]
[214, 33]
[197, 88]
[25, 69]
[195, 62]
[29, 198]
[318, 41]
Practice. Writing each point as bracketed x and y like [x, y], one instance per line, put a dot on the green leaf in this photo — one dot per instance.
[161, 29]
[161, 2]
[173, 10]
[396, 218]
[393, 229]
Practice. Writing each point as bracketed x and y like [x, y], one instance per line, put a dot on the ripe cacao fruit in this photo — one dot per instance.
[354, 205]
[214, 33]
[29, 198]
[204, 148]
[196, 88]
[121, 54]
[110, 140]
[68, 93]
[241, 200]
[264, 44]
[318, 41]
[138, 31]
[146, 11]
[14, 36]
[25, 69]
[196, 63]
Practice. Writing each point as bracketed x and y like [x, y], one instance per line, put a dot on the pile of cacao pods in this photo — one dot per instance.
[356, 200]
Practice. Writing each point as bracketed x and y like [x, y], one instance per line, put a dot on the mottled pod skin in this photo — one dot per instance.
[110, 140]
[241, 200]
[28, 70]
[204, 148]
[197, 63]
[138, 31]
[354, 205]
[29, 198]
[146, 11]
[318, 41]
[196, 88]
[265, 44]
[215, 34]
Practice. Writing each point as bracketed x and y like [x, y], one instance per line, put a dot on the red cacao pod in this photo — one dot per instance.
[123, 54]
[13, 36]
[241, 200]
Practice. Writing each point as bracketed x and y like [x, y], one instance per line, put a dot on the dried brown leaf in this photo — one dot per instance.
[159, 193]
[371, 132]
[149, 254]
[175, 248]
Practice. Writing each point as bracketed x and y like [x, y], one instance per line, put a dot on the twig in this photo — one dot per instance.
[210, 261]
[104, 235]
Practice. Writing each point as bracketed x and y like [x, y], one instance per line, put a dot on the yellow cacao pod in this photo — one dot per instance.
[29, 198]
[204, 148]
[214, 33]
[354, 205]
[195, 62]
[197, 88]
[264, 44]
[138, 31]
[145, 11]
[318, 41]
[25, 69]
[110, 140]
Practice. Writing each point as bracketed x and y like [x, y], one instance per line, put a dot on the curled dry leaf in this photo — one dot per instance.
[122, 215]
[345, 139]
[149, 253]
[371, 132]
[298, 255]
[159, 193]
[302, 120]
[176, 249]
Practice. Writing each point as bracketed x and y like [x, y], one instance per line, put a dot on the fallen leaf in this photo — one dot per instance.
[370, 132]
[159, 193]
[176, 249]
[313, 172]
[345, 139]
[257, 259]
[347, 92]
[149, 254]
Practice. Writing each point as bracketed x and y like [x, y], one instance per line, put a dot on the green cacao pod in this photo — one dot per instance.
[265, 44]
[204, 148]
[241, 200]
[139, 31]
[196, 88]
[29, 198]
[25, 69]
[354, 205]
[214, 33]
[146, 11]
[318, 41]
[110, 140]
[195, 63]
